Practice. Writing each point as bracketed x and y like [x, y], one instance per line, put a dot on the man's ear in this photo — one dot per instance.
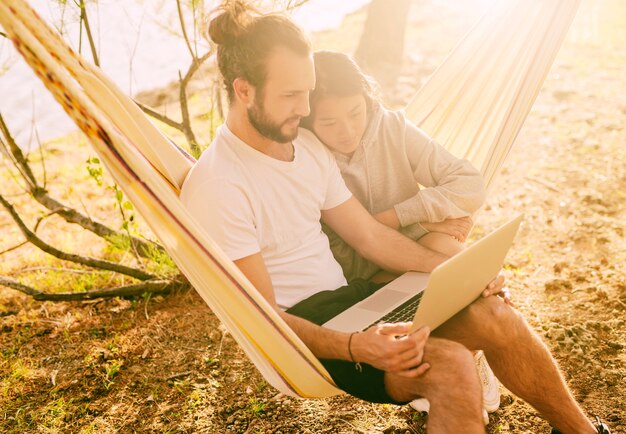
[244, 91]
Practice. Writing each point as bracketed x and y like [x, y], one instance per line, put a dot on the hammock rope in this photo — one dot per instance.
[474, 104]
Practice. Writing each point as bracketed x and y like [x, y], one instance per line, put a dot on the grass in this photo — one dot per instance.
[111, 369]
[256, 407]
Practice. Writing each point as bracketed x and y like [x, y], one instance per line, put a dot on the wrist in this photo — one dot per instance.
[351, 354]
[426, 226]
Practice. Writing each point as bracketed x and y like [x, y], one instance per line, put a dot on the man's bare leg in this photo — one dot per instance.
[519, 359]
[451, 385]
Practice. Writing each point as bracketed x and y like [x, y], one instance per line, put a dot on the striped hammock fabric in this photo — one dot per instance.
[477, 100]
[474, 104]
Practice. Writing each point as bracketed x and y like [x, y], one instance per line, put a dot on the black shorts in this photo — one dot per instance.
[367, 384]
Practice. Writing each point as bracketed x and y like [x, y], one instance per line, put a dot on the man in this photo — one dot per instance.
[260, 191]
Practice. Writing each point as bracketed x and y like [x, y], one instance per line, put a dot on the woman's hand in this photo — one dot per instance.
[390, 348]
[456, 228]
[496, 287]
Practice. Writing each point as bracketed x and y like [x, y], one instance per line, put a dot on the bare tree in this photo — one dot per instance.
[381, 47]
[143, 250]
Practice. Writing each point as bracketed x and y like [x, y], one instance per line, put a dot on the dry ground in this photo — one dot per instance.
[165, 364]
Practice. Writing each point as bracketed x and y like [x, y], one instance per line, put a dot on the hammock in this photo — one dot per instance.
[474, 105]
[476, 102]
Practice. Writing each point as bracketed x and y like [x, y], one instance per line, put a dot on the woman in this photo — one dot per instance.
[384, 159]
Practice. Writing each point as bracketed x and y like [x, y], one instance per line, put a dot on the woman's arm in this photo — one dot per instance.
[453, 188]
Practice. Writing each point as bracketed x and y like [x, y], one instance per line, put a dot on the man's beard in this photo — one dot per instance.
[268, 128]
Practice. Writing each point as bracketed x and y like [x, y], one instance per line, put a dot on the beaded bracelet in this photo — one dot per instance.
[357, 365]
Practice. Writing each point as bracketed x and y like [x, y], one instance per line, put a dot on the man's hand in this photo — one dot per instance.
[456, 228]
[496, 287]
[390, 348]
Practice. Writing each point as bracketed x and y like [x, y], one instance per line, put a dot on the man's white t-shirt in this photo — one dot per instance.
[249, 202]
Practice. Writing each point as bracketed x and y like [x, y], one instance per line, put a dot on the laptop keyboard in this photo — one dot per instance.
[404, 312]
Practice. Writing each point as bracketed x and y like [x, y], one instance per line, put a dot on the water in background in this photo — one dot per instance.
[140, 48]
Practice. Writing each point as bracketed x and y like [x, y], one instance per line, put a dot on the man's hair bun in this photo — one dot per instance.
[232, 18]
[246, 38]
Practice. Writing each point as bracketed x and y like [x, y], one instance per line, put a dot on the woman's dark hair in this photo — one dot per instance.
[245, 39]
[336, 74]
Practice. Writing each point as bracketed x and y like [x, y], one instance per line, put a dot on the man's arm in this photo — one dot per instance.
[387, 247]
[378, 346]
[380, 244]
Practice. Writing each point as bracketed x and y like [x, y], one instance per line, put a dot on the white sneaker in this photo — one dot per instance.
[421, 404]
[489, 382]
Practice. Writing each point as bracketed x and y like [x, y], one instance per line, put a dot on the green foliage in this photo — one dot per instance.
[261, 385]
[12, 380]
[256, 407]
[118, 244]
[211, 361]
[126, 208]
[181, 385]
[97, 332]
[160, 263]
[111, 370]
[19, 370]
[69, 280]
[85, 282]
[94, 168]
[419, 417]
[89, 429]
[195, 398]
[55, 413]
[112, 345]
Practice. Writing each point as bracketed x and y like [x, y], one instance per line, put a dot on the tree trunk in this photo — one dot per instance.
[381, 47]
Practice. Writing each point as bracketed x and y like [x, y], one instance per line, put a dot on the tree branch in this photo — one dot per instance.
[184, 110]
[185, 125]
[42, 159]
[184, 107]
[144, 248]
[65, 270]
[85, 20]
[10, 249]
[14, 284]
[151, 286]
[195, 65]
[16, 155]
[216, 104]
[71, 215]
[294, 4]
[194, 56]
[90, 262]
[158, 116]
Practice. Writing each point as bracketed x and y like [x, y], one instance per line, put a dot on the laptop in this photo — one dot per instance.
[432, 298]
